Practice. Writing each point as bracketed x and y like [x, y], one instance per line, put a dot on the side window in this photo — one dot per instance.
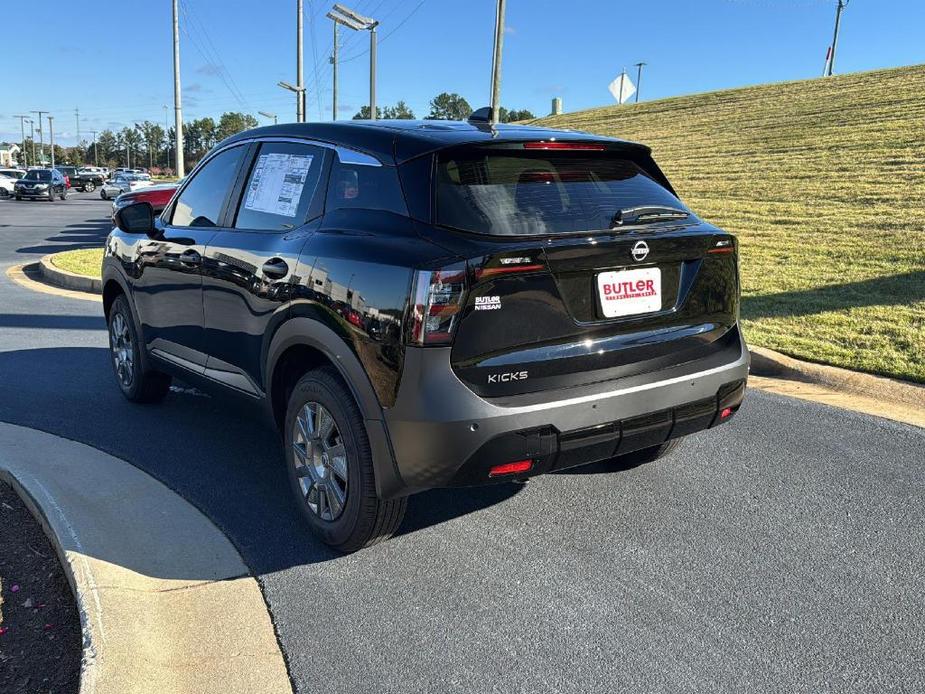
[364, 187]
[281, 187]
[200, 203]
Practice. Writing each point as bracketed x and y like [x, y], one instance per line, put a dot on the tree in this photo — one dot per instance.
[129, 145]
[233, 122]
[363, 113]
[399, 111]
[449, 107]
[151, 134]
[107, 146]
[511, 116]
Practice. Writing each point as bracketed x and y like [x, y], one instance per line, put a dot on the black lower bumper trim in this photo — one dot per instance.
[554, 450]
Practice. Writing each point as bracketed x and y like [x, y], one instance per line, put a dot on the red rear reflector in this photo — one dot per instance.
[510, 468]
[727, 412]
[484, 273]
[564, 145]
[724, 249]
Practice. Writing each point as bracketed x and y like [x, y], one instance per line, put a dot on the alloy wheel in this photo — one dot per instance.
[320, 461]
[123, 355]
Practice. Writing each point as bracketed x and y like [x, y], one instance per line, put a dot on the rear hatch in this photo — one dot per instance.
[583, 266]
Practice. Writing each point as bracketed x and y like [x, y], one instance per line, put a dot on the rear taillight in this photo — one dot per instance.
[439, 297]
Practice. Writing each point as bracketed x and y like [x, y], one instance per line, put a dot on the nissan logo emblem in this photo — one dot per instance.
[640, 250]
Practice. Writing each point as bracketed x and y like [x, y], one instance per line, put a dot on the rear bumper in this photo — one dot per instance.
[443, 434]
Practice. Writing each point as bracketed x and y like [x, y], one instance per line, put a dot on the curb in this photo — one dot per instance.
[166, 603]
[766, 362]
[68, 280]
[29, 277]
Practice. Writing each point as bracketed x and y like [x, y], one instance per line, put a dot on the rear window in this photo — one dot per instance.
[517, 192]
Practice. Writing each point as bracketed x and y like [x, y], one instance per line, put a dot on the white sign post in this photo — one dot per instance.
[622, 88]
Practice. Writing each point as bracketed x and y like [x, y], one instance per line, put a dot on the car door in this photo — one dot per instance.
[168, 287]
[248, 267]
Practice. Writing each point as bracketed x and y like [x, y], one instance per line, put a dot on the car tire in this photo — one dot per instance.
[19, 197]
[89, 187]
[103, 194]
[646, 455]
[64, 195]
[136, 383]
[51, 195]
[337, 499]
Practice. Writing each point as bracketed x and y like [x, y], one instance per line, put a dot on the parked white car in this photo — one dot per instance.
[6, 185]
[123, 183]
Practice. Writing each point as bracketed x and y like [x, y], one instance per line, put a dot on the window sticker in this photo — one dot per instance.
[277, 184]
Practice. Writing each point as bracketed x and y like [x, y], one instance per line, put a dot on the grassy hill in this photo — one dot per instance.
[824, 183]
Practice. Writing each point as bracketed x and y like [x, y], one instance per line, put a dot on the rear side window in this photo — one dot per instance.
[200, 203]
[365, 187]
[281, 187]
[519, 192]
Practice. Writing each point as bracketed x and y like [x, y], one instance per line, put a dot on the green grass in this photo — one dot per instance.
[823, 181]
[85, 261]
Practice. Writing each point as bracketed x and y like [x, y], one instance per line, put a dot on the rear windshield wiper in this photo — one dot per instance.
[646, 214]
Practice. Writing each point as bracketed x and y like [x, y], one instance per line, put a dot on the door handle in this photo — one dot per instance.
[275, 268]
[190, 258]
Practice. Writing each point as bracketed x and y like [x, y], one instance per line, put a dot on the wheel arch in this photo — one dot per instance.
[301, 344]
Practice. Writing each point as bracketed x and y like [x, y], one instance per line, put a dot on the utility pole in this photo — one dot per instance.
[22, 133]
[496, 63]
[96, 159]
[372, 70]
[77, 120]
[51, 134]
[842, 4]
[639, 67]
[299, 78]
[334, 63]
[41, 136]
[177, 99]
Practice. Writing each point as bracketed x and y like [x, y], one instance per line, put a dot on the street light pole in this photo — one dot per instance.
[177, 98]
[372, 71]
[22, 133]
[352, 20]
[269, 115]
[96, 159]
[842, 4]
[639, 67]
[299, 79]
[41, 135]
[51, 134]
[32, 137]
[167, 135]
[496, 63]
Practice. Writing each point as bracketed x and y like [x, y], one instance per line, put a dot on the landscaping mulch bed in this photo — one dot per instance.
[40, 639]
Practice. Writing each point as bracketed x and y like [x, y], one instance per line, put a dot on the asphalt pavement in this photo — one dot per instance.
[784, 551]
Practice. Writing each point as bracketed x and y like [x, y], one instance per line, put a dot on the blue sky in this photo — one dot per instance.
[116, 65]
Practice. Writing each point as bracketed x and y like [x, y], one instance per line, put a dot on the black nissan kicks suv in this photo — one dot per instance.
[419, 304]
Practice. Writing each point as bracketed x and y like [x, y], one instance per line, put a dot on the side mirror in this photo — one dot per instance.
[137, 218]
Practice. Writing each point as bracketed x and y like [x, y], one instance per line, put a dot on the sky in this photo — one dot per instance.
[116, 67]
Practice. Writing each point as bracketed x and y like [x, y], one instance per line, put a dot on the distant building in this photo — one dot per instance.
[556, 106]
[9, 154]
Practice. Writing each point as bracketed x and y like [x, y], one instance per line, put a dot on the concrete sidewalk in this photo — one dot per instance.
[166, 603]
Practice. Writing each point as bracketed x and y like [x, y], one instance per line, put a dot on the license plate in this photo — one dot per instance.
[628, 292]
